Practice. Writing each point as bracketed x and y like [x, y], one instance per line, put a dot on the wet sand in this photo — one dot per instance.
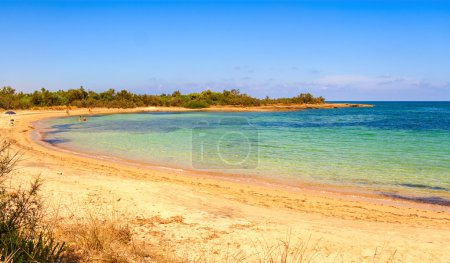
[226, 217]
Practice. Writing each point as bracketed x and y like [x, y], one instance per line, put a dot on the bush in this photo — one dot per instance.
[23, 237]
[196, 104]
[10, 99]
[17, 247]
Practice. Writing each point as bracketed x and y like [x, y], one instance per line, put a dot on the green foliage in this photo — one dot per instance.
[303, 98]
[23, 238]
[10, 99]
[16, 247]
[196, 104]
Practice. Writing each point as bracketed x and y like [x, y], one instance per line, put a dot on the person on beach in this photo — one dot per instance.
[11, 122]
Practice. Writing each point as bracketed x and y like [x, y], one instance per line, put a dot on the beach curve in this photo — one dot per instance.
[234, 202]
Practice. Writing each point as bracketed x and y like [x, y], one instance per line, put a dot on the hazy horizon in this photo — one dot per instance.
[343, 51]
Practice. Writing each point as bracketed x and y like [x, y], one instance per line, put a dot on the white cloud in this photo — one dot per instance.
[332, 87]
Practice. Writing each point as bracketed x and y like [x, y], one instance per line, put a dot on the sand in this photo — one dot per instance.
[201, 216]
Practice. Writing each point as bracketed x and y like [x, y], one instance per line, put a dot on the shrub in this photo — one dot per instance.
[196, 104]
[23, 238]
[10, 99]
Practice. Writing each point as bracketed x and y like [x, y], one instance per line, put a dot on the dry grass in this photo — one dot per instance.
[265, 251]
[102, 237]
[287, 250]
[96, 238]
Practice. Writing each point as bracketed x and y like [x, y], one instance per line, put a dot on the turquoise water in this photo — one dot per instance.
[401, 149]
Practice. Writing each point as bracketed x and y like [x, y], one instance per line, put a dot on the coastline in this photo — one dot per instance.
[313, 206]
[344, 191]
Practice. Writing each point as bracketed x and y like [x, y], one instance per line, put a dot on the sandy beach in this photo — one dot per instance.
[199, 216]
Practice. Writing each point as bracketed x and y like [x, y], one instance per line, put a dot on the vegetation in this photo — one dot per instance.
[100, 237]
[23, 237]
[10, 99]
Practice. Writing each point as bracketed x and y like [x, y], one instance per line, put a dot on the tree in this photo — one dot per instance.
[7, 91]
[107, 95]
[235, 92]
[80, 97]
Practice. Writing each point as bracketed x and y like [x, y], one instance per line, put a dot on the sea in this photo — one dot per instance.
[395, 149]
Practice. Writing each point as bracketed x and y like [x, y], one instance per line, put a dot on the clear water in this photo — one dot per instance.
[400, 149]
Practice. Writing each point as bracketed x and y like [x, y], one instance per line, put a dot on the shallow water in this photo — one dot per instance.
[400, 149]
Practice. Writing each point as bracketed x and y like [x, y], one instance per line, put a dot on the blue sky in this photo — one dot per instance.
[342, 50]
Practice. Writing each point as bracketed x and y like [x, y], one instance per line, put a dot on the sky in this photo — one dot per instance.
[341, 50]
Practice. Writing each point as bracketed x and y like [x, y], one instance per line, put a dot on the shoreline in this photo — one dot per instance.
[344, 190]
[233, 211]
